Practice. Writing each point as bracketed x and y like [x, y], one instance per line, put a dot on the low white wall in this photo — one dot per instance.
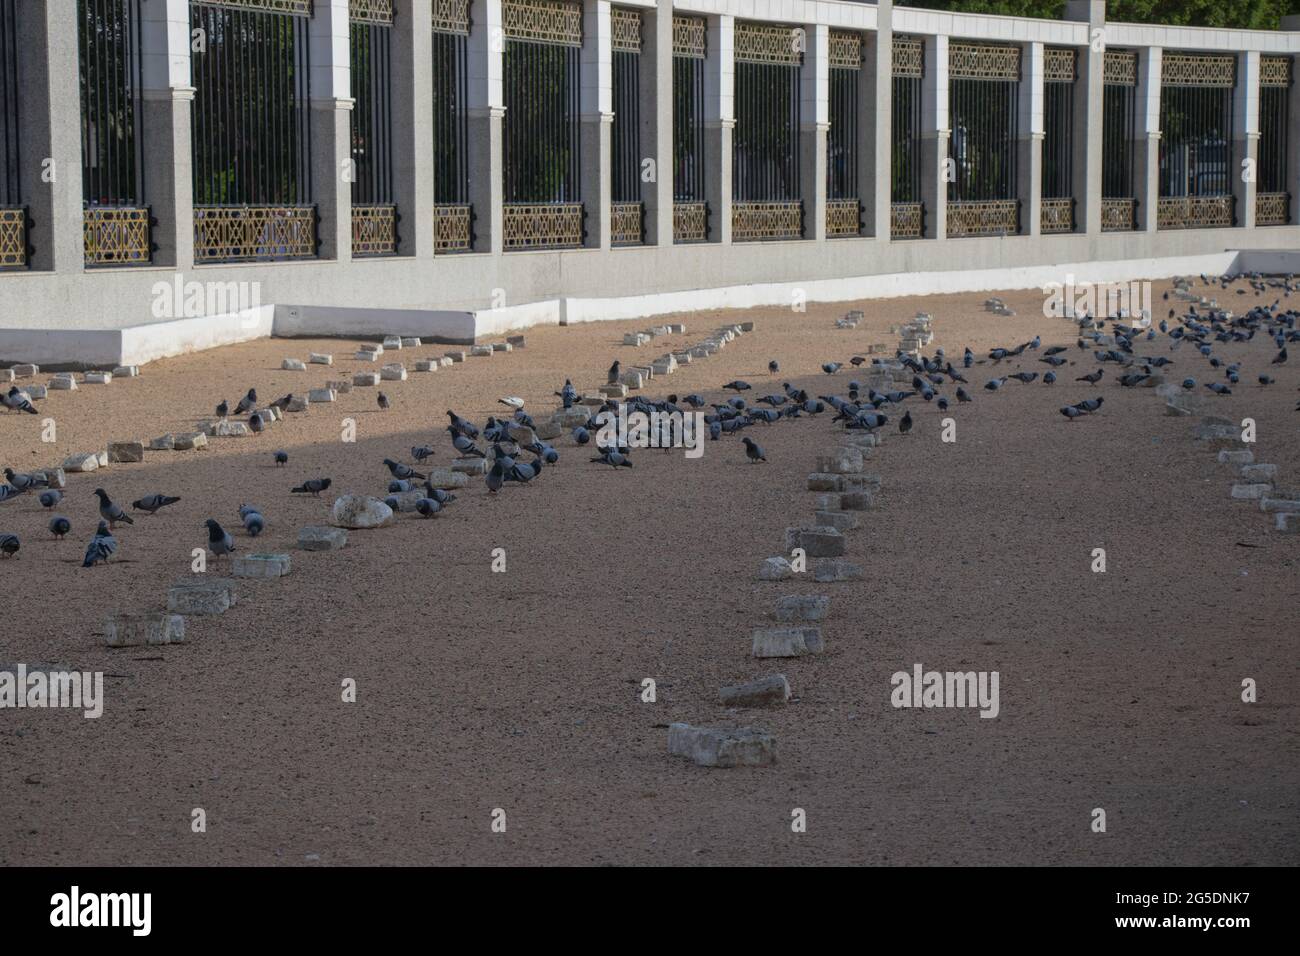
[430, 324]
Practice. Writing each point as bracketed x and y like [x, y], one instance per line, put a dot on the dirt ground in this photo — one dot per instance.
[521, 690]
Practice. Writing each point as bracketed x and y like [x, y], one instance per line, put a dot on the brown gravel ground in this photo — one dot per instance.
[521, 690]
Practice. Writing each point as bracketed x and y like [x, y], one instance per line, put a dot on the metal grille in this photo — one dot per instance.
[112, 169]
[752, 221]
[251, 135]
[1058, 137]
[769, 43]
[689, 37]
[842, 137]
[543, 21]
[538, 226]
[1196, 142]
[765, 151]
[626, 224]
[116, 235]
[979, 61]
[450, 118]
[374, 230]
[994, 217]
[1274, 71]
[453, 228]
[843, 217]
[13, 237]
[244, 233]
[372, 114]
[300, 8]
[451, 16]
[10, 193]
[1272, 209]
[1118, 215]
[906, 220]
[688, 129]
[626, 138]
[1058, 65]
[1194, 212]
[371, 11]
[845, 50]
[908, 57]
[690, 222]
[625, 27]
[1056, 215]
[1198, 69]
[542, 144]
[1119, 67]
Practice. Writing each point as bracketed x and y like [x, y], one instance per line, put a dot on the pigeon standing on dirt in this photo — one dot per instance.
[9, 544]
[254, 523]
[111, 512]
[152, 503]
[220, 541]
[18, 400]
[753, 450]
[247, 403]
[102, 546]
[312, 486]
[59, 526]
[612, 378]
[50, 498]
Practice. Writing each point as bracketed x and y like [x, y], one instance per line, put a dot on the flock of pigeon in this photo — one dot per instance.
[1193, 337]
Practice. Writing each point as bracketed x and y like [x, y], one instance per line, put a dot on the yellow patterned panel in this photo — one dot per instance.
[452, 232]
[543, 225]
[451, 16]
[766, 220]
[1274, 71]
[1193, 212]
[544, 21]
[1198, 69]
[980, 61]
[909, 56]
[1120, 67]
[625, 25]
[1056, 215]
[905, 220]
[116, 235]
[13, 238]
[689, 35]
[769, 43]
[229, 233]
[992, 217]
[374, 230]
[371, 11]
[845, 50]
[625, 224]
[1272, 209]
[690, 222]
[843, 217]
[1058, 65]
[1118, 215]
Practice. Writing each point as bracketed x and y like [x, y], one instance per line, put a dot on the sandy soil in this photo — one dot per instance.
[521, 690]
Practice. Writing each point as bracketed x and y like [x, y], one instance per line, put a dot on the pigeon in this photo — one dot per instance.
[1218, 388]
[1070, 412]
[246, 404]
[738, 386]
[968, 358]
[830, 368]
[102, 546]
[1090, 404]
[440, 495]
[905, 423]
[773, 367]
[151, 503]
[18, 401]
[398, 470]
[312, 486]
[1266, 380]
[384, 403]
[9, 544]
[8, 491]
[568, 394]
[962, 396]
[220, 540]
[1025, 377]
[223, 410]
[614, 458]
[1280, 357]
[427, 507]
[110, 512]
[281, 458]
[1049, 378]
[612, 377]
[24, 482]
[581, 435]
[59, 526]
[994, 384]
[255, 423]
[283, 403]
[753, 450]
[50, 498]
[254, 523]
[1053, 360]
[458, 424]
[496, 477]
[400, 486]
[464, 445]
[1092, 378]
[1189, 384]
[421, 452]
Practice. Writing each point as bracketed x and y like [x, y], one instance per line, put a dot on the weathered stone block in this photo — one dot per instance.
[802, 607]
[521, 434]
[79, 464]
[393, 372]
[775, 569]
[470, 466]
[823, 481]
[502, 347]
[25, 370]
[392, 342]
[191, 441]
[446, 478]
[1251, 492]
[36, 392]
[1243, 456]
[321, 358]
[839, 520]
[1259, 472]
[764, 692]
[293, 365]
[481, 351]
[427, 365]
[518, 341]
[99, 378]
[842, 461]
[618, 390]
[364, 379]
[631, 379]
[55, 477]
[857, 500]
[818, 541]
[1279, 505]
[321, 395]
[363, 356]
[456, 356]
[548, 431]
[709, 747]
[132, 630]
[319, 537]
[125, 451]
[126, 371]
[411, 342]
[836, 570]
[1286, 523]
[786, 641]
[299, 403]
[62, 383]
[361, 511]
[162, 443]
[261, 565]
[199, 594]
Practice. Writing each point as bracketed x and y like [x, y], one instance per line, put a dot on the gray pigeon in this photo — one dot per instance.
[220, 540]
[25, 482]
[110, 512]
[427, 507]
[398, 470]
[59, 526]
[496, 477]
[254, 523]
[151, 503]
[9, 544]
[753, 450]
[312, 486]
[102, 546]
[50, 498]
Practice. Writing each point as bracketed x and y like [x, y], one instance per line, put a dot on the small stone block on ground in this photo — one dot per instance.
[1261, 472]
[427, 365]
[763, 692]
[839, 520]
[786, 641]
[162, 443]
[199, 594]
[260, 565]
[775, 569]
[393, 372]
[299, 403]
[99, 378]
[321, 358]
[191, 441]
[293, 365]
[470, 466]
[802, 607]
[517, 341]
[62, 383]
[481, 351]
[1243, 456]
[77, 464]
[456, 356]
[134, 630]
[321, 395]
[411, 342]
[125, 451]
[818, 541]
[318, 537]
[1251, 492]
[834, 570]
[446, 478]
[710, 747]
[1286, 523]
[363, 379]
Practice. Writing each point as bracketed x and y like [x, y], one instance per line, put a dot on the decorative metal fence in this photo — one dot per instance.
[843, 207]
[453, 215]
[1119, 130]
[14, 252]
[765, 144]
[983, 86]
[543, 208]
[690, 209]
[1273, 200]
[374, 212]
[1057, 204]
[626, 219]
[1196, 165]
[251, 131]
[907, 211]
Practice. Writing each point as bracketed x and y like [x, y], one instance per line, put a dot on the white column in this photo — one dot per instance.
[331, 134]
[412, 126]
[719, 122]
[935, 131]
[485, 98]
[1148, 138]
[657, 120]
[814, 118]
[167, 104]
[596, 106]
[1029, 189]
[875, 129]
[1245, 136]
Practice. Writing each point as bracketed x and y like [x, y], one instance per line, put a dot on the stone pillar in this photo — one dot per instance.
[814, 121]
[719, 123]
[1029, 189]
[49, 134]
[486, 118]
[875, 125]
[1292, 24]
[657, 120]
[596, 105]
[1245, 138]
[412, 126]
[167, 102]
[1147, 146]
[1089, 97]
[934, 137]
[331, 134]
